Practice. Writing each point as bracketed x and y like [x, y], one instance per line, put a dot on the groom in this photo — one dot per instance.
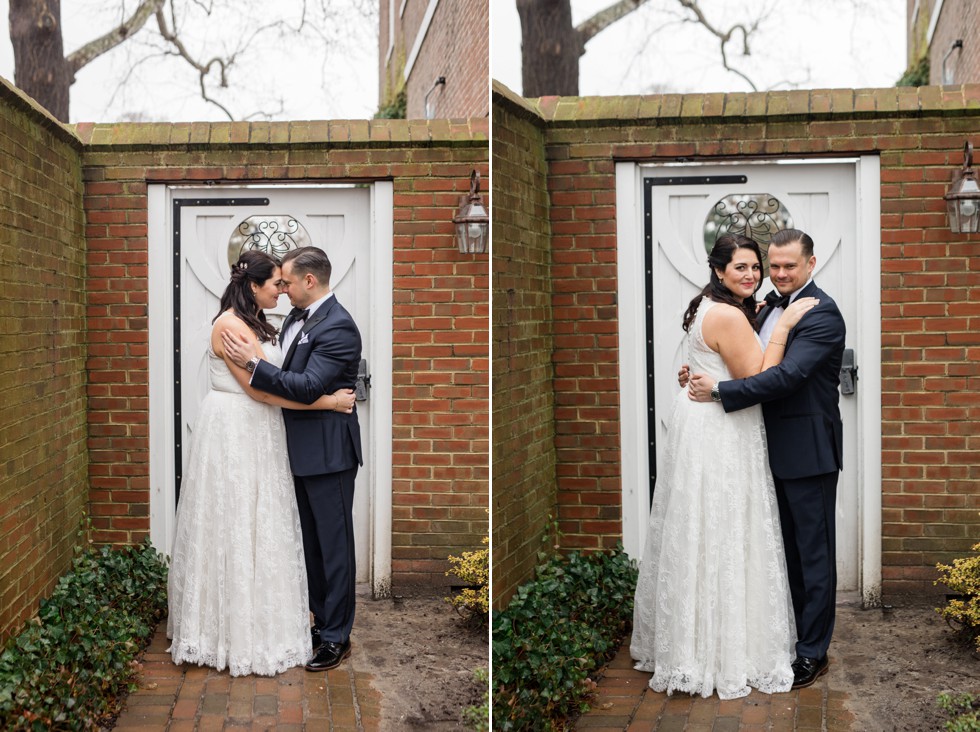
[323, 350]
[804, 432]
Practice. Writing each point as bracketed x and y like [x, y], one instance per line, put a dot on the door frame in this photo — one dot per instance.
[377, 335]
[635, 443]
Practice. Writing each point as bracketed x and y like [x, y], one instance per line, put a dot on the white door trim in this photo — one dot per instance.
[633, 403]
[380, 336]
[160, 355]
[868, 346]
[633, 315]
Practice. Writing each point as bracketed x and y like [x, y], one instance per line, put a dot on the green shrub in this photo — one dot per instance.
[916, 75]
[555, 632]
[963, 711]
[395, 108]
[69, 667]
[478, 717]
[963, 578]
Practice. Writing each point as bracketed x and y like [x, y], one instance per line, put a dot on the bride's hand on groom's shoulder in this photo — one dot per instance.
[795, 312]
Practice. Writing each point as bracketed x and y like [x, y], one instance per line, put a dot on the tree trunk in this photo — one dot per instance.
[550, 48]
[40, 68]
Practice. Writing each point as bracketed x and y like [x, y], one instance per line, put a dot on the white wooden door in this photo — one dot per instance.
[207, 229]
[684, 208]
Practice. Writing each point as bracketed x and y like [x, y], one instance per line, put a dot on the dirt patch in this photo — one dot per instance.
[421, 655]
[893, 664]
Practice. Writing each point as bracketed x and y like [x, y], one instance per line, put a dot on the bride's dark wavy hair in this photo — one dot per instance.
[721, 255]
[252, 266]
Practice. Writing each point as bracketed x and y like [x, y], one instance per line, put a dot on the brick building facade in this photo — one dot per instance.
[948, 32]
[75, 426]
[421, 41]
[555, 263]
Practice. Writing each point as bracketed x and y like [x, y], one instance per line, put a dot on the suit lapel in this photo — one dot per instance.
[763, 314]
[808, 291]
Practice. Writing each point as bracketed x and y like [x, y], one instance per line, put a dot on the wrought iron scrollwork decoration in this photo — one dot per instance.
[755, 215]
[274, 235]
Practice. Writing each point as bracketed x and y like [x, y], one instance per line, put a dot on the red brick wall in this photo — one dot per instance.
[929, 281]
[959, 20]
[42, 355]
[456, 46]
[440, 311]
[524, 487]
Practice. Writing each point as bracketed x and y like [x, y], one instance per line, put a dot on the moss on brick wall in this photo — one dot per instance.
[524, 488]
[43, 482]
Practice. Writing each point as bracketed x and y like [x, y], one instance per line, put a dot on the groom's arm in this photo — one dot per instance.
[815, 341]
[333, 350]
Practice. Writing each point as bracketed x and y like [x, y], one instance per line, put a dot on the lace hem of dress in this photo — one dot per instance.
[688, 683]
[284, 660]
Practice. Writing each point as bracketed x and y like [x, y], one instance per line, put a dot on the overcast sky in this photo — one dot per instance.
[802, 44]
[311, 78]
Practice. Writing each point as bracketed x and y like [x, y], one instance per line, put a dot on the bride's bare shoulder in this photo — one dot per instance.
[228, 321]
[724, 314]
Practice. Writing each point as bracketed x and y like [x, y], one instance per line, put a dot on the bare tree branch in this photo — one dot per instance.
[724, 37]
[605, 18]
[203, 69]
[93, 49]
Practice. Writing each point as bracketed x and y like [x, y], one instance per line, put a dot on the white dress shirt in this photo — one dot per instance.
[765, 333]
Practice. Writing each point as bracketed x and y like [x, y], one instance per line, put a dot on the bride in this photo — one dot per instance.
[237, 586]
[712, 609]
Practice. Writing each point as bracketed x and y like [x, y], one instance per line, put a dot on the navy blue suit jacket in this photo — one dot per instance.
[323, 357]
[799, 397]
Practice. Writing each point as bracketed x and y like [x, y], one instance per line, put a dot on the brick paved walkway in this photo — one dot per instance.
[186, 698]
[625, 702]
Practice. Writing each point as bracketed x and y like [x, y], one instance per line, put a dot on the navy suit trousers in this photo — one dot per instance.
[806, 514]
[326, 514]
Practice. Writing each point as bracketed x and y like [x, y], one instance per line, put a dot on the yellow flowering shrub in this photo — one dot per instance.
[474, 569]
[963, 578]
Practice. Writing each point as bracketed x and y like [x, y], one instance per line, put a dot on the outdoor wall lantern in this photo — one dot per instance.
[471, 219]
[963, 197]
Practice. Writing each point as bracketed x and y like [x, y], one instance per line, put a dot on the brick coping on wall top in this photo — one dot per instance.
[18, 99]
[807, 104]
[318, 134]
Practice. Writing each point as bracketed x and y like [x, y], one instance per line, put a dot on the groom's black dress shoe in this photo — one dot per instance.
[807, 670]
[315, 635]
[329, 656]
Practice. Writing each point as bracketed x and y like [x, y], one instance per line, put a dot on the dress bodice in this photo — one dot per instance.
[702, 359]
[220, 375]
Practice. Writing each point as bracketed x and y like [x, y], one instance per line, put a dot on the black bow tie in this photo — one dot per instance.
[775, 300]
[298, 314]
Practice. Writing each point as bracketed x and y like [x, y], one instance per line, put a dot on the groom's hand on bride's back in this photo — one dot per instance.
[683, 375]
[238, 348]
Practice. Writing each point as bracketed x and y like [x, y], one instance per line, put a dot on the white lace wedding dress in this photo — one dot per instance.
[237, 585]
[712, 609]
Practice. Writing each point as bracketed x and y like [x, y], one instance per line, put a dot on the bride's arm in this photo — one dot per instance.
[727, 331]
[341, 400]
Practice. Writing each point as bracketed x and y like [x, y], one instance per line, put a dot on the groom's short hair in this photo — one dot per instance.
[788, 236]
[310, 260]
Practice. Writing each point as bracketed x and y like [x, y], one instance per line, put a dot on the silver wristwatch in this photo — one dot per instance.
[715, 393]
[254, 361]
